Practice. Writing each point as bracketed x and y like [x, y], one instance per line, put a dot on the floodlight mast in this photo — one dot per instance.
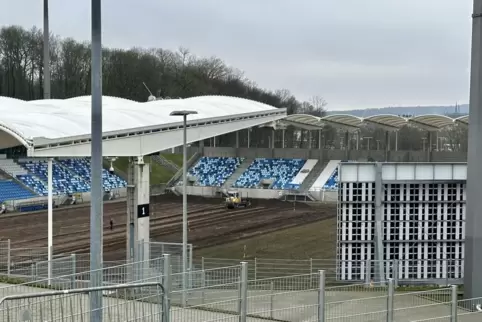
[184, 115]
[96, 203]
[473, 224]
[50, 205]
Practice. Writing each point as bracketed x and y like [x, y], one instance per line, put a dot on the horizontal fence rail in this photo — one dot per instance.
[134, 302]
[229, 290]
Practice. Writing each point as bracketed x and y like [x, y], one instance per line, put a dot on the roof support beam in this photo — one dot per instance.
[140, 145]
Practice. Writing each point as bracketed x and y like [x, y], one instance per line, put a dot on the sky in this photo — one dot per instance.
[353, 53]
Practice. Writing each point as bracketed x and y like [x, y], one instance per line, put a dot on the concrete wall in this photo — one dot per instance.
[214, 192]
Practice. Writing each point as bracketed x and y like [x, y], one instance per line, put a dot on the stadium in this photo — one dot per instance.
[389, 224]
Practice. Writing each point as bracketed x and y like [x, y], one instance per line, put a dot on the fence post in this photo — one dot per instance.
[203, 285]
[390, 300]
[33, 272]
[321, 296]
[166, 282]
[255, 269]
[454, 304]
[368, 272]
[8, 257]
[271, 300]
[202, 263]
[395, 269]
[74, 271]
[244, 292]
[311, 271]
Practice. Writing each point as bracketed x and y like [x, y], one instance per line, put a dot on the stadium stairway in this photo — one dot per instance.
[177, 176]
[238, 172]
[161, 160]
[312, 176]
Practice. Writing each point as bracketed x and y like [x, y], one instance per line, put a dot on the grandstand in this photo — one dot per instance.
[28, 178]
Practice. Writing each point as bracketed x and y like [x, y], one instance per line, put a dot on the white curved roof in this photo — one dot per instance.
[54, 118]
[388, 121]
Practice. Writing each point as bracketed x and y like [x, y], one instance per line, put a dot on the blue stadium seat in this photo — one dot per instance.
[64, 181]
[332, 182]
[214, 171]
[281, 171]
[34, 183]
[11, 190]
[81, 166]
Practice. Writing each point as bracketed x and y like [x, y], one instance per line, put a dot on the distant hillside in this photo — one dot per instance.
[415, 110]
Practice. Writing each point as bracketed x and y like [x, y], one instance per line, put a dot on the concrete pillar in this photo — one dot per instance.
[319, 139]
[379, 247]
[396, 141]
[430, 148]
[237, 139]
[272, 138]
[137, 208]
[310, 139]
[347, 145]
[283, 138]
[214, 141]
[249, 137]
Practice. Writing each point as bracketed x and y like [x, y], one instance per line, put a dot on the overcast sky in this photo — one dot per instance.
[354, 53]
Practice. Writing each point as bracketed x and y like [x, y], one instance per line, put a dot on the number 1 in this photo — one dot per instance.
[143, 211]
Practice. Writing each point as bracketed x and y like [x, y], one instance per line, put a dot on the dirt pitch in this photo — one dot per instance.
[213, 229]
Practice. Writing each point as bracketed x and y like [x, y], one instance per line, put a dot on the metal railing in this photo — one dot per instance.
[134, 302]
[232, 294]
[438, 272]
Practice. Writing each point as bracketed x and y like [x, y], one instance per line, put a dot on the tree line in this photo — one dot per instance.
[169, 74]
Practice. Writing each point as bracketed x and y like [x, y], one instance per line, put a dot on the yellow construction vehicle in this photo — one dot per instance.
[234, 200]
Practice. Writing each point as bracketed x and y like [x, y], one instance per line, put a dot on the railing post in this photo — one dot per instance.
[321, 296]
[166, 282]
[9, 254]
[74, 271]
[244, 292]
[454, 304]
[255, 269]
[202, 263]
[271, 300]
[390, 300]
[368, 272]
[203, 285]
[395, 269]
[311, 271]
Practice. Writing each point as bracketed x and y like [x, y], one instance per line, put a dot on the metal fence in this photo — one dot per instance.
[337, 271]
[135, 302]
[229, 294]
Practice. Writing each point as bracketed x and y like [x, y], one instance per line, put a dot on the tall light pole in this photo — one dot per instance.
[46, 96]
[46, 51]
[184, 115]
[473, 223]
[96, 210]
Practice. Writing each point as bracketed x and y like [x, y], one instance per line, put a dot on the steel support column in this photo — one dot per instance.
[473, 226]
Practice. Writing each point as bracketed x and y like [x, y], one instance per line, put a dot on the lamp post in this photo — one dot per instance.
[184, 115]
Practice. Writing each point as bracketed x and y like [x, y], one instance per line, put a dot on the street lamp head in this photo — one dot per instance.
[182, 113]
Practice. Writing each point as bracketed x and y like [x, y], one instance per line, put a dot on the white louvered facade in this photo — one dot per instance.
[422, 214]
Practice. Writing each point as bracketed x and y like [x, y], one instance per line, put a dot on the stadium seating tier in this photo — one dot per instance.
[332, 182]
[11, 190]
[214, 171]
[281, 171]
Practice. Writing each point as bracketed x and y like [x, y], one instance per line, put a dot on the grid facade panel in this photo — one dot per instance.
[423, 228]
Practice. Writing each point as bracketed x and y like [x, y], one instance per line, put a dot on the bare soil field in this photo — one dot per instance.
[210, 225]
